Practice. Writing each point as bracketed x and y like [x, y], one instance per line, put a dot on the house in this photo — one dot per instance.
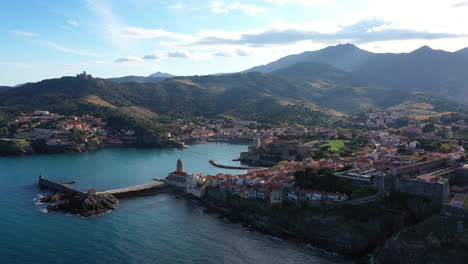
[195, 185]
[309, 195]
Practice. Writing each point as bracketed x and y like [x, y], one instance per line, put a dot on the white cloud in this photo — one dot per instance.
[231, 53]
[223, 53]
[242, 53]
[152, 56]
[460, 4]
[364, 31]
[303, 2]
[178, 54]
[23, 33]
[218, 7]
[71, 22]
[176, 6]
[142, 33]
[248, 9]
[110, 25]
[128, 59]
[70, 50]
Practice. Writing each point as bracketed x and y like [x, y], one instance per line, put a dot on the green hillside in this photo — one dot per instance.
[305, 97]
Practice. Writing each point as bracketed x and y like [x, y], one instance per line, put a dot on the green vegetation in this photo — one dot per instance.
[336, 145]
[271, 99]
[14, 146]
[332, 148]
[445, 146]
[443, 180]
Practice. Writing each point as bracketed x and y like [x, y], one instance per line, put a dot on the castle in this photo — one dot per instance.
[84, 76]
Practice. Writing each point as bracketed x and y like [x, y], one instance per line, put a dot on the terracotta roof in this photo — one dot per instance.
[180, 173]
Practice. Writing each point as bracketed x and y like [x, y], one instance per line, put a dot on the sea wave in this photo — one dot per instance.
[37, 199]
[275, 238]
[321, 250]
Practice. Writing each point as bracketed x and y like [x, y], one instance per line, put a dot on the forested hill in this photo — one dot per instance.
[276, 99]
[244, 96]
[137, 79]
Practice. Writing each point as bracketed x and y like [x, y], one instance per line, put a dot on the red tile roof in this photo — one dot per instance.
[180, 173]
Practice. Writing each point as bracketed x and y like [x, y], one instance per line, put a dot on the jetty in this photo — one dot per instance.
[216, 164]
[146, 189]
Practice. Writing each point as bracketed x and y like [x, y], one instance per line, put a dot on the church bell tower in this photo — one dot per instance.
[180, 166]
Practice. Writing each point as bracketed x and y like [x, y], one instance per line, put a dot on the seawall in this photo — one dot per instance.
[216, 164]
[58, 187]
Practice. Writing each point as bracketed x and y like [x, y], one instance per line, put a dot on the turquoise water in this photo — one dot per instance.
[153, 229]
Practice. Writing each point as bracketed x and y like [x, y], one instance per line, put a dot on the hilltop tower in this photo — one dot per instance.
[180, 166]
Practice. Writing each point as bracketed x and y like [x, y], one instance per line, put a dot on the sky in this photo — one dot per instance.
[42, 39]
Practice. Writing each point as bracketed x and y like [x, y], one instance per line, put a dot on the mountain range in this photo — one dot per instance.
[426, 70]
[306, 88]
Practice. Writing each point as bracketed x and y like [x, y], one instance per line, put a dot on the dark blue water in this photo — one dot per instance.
[155, 229]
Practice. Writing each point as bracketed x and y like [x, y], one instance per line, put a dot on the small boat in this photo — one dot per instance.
[158, 179]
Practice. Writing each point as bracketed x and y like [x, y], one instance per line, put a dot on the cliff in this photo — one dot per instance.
[436, 240]
[353, 230]
[15, 147]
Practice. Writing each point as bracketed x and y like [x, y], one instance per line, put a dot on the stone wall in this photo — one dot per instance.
[417, 168]
[58, 187]
[435, 191]
[363, 200]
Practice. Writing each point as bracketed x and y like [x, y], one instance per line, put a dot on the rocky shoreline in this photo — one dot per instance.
[91, 205]
[374, 240]
[380, 236]
[30, 151]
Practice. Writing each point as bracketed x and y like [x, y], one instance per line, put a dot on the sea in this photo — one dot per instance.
[152, 229]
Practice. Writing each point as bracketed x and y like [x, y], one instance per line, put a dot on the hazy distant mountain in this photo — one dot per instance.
[18, 85]
[137, 79]
[463, 52]
[345, 57]
[317, 71]
[161, 74]
[427, 70]
[432, 71]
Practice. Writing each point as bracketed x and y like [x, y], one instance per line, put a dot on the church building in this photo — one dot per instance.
[178, 177]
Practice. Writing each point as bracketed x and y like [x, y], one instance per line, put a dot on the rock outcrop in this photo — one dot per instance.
[435, 240]
[92, 205]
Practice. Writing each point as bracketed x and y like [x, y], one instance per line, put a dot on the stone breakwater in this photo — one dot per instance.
[216, 164]
[69, 200]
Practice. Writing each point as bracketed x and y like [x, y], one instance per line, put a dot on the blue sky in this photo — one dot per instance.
[43, 39]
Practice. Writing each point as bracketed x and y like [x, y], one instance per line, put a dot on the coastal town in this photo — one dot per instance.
[47, 132]
[353, 165]
[424, 158]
